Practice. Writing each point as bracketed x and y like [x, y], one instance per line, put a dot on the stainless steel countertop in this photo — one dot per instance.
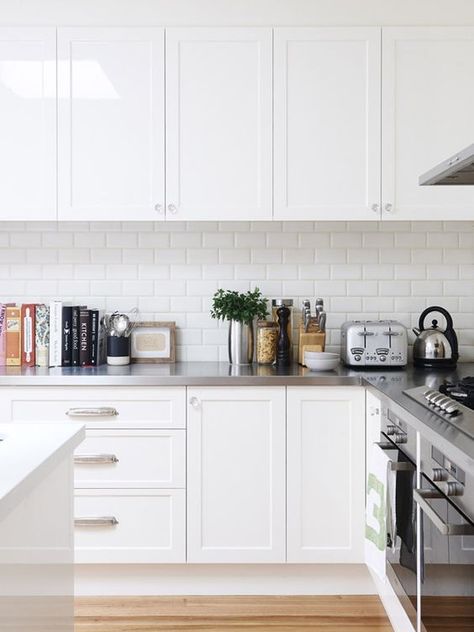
[179, 374]
[388, 385]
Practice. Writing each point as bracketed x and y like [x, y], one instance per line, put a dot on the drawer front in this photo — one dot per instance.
[129, 527]
[97, 407]
[131, 458]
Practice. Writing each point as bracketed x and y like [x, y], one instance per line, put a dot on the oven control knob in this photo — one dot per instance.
[439, 474]
[453, 488]
[400, 438]
[391, 430]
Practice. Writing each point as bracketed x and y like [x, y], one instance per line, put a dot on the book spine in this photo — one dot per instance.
[94, 330]
[3, 332]
[55, 335]
[13, 353]
[66, 347]
[28, 318]
[75, 335]
[102, 340]
[84, 338]
[42, 335]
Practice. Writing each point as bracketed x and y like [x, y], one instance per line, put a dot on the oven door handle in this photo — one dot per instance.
[445, 528]
[396, 466]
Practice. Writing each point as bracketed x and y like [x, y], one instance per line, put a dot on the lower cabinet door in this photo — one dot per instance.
[130, 526]
[236, 474]
[326, 474]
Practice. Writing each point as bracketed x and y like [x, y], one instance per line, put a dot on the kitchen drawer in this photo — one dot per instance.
[130, 526]
[131, 458]
[96, 406]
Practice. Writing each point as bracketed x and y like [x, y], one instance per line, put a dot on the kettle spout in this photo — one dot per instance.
[416, 331]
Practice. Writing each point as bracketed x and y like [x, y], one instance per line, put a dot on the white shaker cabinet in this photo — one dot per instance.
[27, 124]
[325, 474]
[428, 101]
[327, 123]
[236, 474]
[111, 124]
[219, 123]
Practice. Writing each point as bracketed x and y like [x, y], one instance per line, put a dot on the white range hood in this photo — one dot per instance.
[459, 169]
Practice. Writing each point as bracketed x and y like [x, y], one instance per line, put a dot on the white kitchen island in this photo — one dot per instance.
[36, 526]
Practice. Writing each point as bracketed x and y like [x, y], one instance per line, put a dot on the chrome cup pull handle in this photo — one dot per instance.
[420, 496]
[95, 459]
[101, 411]
[99, 521]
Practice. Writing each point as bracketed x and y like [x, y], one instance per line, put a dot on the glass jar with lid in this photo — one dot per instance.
[267, 337]
[287, 302]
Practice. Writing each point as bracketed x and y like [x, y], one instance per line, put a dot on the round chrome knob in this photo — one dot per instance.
[388, 208]
[439, 474]
[159, 208]
[194, 401]
[391, 430]
[172, 209]
[400, 438]
[375, 208]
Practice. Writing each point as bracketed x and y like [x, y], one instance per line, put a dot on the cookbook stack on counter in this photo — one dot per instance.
[53, 334]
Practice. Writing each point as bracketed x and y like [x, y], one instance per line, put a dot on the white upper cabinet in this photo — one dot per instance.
[111, 123]
[236, 474]
[219, 123]
[327, 123]
[27, 123]
[325, 474]
[428, 105]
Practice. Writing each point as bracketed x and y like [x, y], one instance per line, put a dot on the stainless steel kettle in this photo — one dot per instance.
[433, 347]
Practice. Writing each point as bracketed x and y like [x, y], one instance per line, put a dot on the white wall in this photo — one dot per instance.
[170, 271]
[237, 12]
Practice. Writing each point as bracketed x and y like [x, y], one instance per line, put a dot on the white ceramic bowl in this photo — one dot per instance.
[321, 360]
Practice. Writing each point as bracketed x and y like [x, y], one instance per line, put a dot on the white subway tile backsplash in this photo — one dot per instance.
[171, 270]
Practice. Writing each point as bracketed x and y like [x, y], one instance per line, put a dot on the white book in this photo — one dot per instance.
[55, 332]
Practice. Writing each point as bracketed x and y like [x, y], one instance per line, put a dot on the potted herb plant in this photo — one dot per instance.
[240, 310]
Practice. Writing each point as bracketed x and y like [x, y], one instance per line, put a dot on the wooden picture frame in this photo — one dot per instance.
[153, 342]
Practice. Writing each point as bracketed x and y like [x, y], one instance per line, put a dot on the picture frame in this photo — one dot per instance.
[153, 342]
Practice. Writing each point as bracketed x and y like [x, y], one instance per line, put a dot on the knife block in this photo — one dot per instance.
[314, 337]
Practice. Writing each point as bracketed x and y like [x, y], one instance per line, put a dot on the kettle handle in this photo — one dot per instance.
[441, 310]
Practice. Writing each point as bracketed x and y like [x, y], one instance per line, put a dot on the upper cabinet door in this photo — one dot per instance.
[219, 123]
[327, 123]
[428, 105]
[111, 123]
[27, 124]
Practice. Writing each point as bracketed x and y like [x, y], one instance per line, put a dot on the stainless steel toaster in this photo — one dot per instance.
[374, 343]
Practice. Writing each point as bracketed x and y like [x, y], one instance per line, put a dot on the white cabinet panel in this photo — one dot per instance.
[111, 123]
[219, 123]
[27, 124]
[325, 474]
[327, 123]
[96, 406]
[131, 458]
[150, 526]
[428, 101]
[236, 474]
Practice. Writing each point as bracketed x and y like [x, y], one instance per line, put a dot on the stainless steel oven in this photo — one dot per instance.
[445, 498]
[398, 440]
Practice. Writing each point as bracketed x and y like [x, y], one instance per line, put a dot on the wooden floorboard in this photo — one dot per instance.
[233, 614]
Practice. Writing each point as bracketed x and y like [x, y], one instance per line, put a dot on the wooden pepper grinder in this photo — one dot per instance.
[283, 345]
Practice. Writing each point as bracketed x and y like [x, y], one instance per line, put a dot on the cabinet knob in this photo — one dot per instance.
[159, 208]
[375, 208]
[194, 402]
[172, 209]
[388, 208]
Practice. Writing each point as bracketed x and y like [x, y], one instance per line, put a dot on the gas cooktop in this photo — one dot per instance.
[452, 401]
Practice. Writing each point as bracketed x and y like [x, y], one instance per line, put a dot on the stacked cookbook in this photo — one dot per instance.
[51, 334]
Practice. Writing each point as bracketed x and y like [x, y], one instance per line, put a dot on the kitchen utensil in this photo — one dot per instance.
[434, 347]
[322, 321]
[321, 361]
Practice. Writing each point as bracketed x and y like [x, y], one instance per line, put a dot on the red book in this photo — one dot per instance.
[28, 330]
